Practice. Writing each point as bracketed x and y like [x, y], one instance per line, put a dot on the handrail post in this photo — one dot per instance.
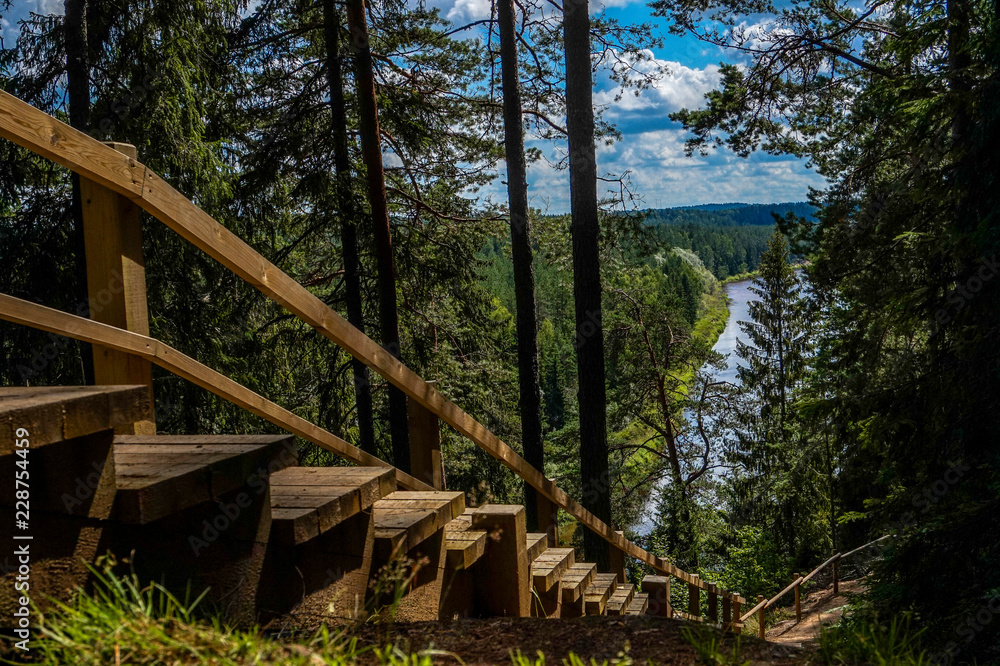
[425, 445]
[713, 603]
[694, 597]
[736, 614]
[616, 559]
[548, 518]
[760, 618]
[836, 576]
[116, 283]
[798, 600]
[727, 610]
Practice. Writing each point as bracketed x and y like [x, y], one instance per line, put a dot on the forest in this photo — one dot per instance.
[382, 154]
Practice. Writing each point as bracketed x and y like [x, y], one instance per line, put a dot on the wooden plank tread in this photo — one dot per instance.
[404, 519]
[620, 599]
[53, 414]
[464, 548]
[156, 476]
[597, 595]
[535, 544]
[576, 579]
[638, 605]
[547, 567]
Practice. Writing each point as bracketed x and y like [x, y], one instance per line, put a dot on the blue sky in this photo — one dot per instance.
[651, 148]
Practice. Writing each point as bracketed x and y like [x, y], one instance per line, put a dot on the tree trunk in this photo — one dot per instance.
[524, 270]
[78, 91]
[371, 149]
[349, 213]
[595, 481]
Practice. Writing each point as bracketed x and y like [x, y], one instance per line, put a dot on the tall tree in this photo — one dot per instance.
[530, 402]
[595, 482]
[349, 214]
[78, 92]
[371, 148]
[774, 342]
[895, 104]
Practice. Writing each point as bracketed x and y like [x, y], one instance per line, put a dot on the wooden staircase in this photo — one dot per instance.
[272, 541]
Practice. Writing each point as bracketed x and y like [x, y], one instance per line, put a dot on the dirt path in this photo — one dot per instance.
[819, 608]
[650, 640]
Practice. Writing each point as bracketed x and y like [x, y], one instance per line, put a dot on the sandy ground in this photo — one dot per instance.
[819, 608]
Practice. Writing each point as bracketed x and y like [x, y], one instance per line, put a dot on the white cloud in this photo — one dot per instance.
[469, 10]
[46, 7]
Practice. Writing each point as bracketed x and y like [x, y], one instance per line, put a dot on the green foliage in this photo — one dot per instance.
[755, 563]
[866, 641]
[708, 646]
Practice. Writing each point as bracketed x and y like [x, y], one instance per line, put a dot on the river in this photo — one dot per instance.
[739, 297]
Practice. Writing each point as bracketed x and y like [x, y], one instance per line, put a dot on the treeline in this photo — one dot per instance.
[729, 238]
[729, 215]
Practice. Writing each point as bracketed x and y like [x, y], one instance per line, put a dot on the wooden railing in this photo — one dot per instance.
[763, 604]
[126, 185]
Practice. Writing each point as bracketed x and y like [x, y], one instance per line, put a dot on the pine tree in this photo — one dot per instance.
[774, 343]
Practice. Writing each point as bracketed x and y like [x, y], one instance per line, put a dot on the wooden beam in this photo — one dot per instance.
[694, 600]
[425, 445]
[616, 557]
[38, 316]
[116, 284]
[46, 136]
[798, 598]
[761, 627]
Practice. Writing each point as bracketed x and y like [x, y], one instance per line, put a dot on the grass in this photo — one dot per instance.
[870, 642]
[125, 622]
[708, 646]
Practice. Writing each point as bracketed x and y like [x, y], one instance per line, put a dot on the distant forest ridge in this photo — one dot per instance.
[730, 239]
[728, 214]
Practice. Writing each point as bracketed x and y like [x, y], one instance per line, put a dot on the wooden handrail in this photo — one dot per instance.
[44, 135]
[767, 603]
[26, 313]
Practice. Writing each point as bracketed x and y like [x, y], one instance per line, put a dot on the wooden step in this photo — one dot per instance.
[309, 501]
[536, 544]
[576, 579]
[620, 599]
[156, 476]
[53, 414]
[548, 567]
[638, 605]
[596, 597]
[463, 544]
[405, 518]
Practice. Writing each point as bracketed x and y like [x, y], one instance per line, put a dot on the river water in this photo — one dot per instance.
[739, 296]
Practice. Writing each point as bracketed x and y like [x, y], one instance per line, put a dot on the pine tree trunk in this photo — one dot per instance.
[524, 270]
[371, 149]
[78, 91]
[595, 480]
[349, 214]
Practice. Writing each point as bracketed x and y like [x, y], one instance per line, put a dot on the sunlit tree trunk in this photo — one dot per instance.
[524, 272]
[349, 215]
[595, 480]
[371, 149]
[78, 92]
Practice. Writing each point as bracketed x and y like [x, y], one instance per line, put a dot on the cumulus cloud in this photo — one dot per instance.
[469, 10]
[680, 87]
[46, 7]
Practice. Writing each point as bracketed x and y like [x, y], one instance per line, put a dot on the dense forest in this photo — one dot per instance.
[730, 239]
[357, 146]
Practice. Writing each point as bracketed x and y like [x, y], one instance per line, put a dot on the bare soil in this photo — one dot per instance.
[492, 641]
[820, 608]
